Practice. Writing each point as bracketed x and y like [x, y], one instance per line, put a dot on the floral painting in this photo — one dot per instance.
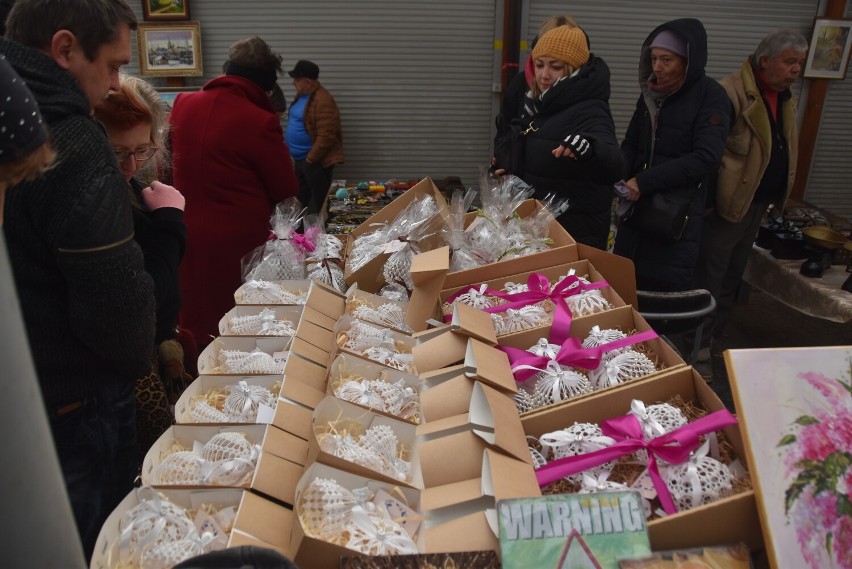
[795, 408]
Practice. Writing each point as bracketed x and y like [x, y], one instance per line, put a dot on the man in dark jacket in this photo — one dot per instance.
[87, 301]
[673, 146]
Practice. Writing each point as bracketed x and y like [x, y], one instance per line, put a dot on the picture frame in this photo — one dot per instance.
[169, 49]
[828, 56]
[790, 403]
[165, 10]
[169, 94]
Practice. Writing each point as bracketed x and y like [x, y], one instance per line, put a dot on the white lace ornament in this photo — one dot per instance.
[386, 314]
[324, 508]
[203, 412]
[168, 554]
[477, 298]
[394, 291]
[262, 324]
[545, 348]
[700, 480]
[558, 383]
[657, 420]
[362, 336]
[515, 288]
[598, 337]
[377, 449]
[180, 468]
[227, 446]
[154, 520]
[397, 398]
[328, 272]
[244, 400]
[587, 302]
[374, 533]
[265, 292]
[521, 319]
[622, 367]
[257, 361]
[524, 401]
[579, 438]
[600, 483]
[397, 269]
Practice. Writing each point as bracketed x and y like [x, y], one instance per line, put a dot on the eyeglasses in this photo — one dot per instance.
[140, 154]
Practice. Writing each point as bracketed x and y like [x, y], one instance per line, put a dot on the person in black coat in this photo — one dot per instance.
[571, 149]
[674, 143]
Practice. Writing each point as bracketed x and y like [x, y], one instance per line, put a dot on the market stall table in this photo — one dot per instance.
[819, 297]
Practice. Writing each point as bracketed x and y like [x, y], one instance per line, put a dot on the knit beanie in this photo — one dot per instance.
[21, 126]
[669, 40]
[565, 44]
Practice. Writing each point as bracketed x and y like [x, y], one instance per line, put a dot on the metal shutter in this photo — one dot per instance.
[830, 180]
[413, 79]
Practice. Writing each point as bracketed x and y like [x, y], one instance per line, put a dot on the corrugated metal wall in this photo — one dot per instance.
[413, 79]
[830, 180]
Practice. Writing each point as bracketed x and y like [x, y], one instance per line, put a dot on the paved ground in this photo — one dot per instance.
[763, 322]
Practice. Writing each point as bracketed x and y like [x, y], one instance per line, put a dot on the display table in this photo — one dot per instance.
[818, 297]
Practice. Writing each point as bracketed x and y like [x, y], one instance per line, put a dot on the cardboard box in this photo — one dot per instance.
[369, 276]
[296, 291]
[203, 384]
[304, 382]
[725, 521]
[624, 318]
[581, 268]
[404, 344]
[347, 367]
[291, 313]
[208, 360]
[332, 413]
[618, 271]
[258, 521]
[279, 464]
[562, 250]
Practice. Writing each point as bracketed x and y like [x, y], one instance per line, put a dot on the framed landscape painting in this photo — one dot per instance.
[158, 10]
[794, 406]
[828, 56]
[170, 50]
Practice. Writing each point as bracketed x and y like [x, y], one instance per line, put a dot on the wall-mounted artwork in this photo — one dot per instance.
[170, 50]
[158, 10]
[795, 411]
[828, 56]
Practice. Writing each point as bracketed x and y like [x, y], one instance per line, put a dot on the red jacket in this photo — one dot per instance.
[231, 163]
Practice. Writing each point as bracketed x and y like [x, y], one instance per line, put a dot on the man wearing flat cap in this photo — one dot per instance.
[313, 134]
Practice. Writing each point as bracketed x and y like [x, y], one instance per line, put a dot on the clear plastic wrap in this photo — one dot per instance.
[324, 261]
[280, 258]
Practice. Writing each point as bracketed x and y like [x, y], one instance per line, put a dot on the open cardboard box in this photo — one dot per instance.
[289, 313]
[203, 384]
[625, 319]
[369, 276]
[338, 416]
[581, 268]
[346, 367]
[258, 521]
[728, 520]
[275, 346]
[563, 249]
[296, 289]
[279, 465]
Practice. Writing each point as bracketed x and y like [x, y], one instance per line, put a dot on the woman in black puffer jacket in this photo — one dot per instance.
[572, 150]
[674, 143]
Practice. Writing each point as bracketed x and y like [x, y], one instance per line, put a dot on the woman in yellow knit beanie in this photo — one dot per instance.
[571, 149]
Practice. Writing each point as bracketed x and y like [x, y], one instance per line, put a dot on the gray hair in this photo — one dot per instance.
[775, 43]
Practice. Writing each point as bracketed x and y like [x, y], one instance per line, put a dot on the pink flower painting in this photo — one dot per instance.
[795, 410]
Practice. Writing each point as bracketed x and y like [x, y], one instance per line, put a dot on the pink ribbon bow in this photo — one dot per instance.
[673, 447]
[540, 290]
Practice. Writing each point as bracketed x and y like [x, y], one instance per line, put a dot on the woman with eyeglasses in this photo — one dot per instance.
[135, 120]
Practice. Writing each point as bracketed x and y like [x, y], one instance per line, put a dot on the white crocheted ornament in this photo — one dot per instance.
[362, 336]
[700, 480]
[244, 400]
[168, 554]
[387, 314]
[180, 468]
[586, 303]
[227, 446]
[257, 361]
[154, 520]
[658, 419]
[477, 298]
[544, 348]
[515, 288]
[521, 319]
[558, 383]
[327, 272]
[324, 508]
[372, 532]
[600, 483]
[622, 367]
[397, 269]
[598, 337]
[579, 438]
[265, 292]
[203, 412]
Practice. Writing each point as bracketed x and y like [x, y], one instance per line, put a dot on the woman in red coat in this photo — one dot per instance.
[231, 163]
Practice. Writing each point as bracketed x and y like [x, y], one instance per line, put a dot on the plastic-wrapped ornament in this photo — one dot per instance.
[394, 291]
[700, 480]
[622, 367]
[327, 271]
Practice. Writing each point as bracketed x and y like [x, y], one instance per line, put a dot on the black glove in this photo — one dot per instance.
[581, 146]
